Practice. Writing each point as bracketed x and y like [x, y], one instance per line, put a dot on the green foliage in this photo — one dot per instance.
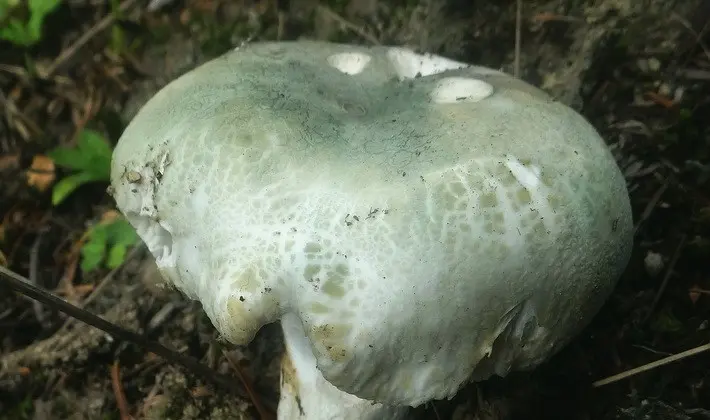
[22, 411]
[107, 243]
[21, 32]
[90, 161]
[666, 322]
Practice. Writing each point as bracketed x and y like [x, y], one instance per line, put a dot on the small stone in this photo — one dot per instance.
[653, 263]
[133, 177]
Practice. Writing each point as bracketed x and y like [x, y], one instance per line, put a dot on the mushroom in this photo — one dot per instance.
[415, 223]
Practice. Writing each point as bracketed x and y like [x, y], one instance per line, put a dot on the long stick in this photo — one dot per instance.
[24, 286]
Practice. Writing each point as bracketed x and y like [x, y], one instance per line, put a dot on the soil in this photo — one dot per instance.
[639, 70]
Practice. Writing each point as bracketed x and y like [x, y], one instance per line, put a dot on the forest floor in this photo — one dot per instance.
[639, 70]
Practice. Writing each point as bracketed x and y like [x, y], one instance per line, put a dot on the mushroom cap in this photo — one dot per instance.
[428, 222]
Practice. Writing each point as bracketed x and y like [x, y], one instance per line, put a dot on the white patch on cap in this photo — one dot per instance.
[461, 89]
[408, 64]
[351, 63]
[527, 176]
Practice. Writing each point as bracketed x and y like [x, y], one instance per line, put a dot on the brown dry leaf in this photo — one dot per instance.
[84, 289]
[208, 6]
[185, 16]
[109, 216]
[695, 292]
[200, 391]
[66, 284]
[693, 295]
[660, 99]
[8, 162]
[23, 371]
[3, 259]
[552, 17]
[41, 174]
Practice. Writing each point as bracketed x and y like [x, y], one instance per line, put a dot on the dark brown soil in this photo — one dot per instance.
[639, 70]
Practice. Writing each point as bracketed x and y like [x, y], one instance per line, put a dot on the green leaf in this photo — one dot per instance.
[116, 256]
[98, 152]
[16, 32]
[118, 236]
[666, 322]
[67, 185]
[118, 39]
[26, 33]
[34, 28]
[92, 154]
[94, 249]
[120, 232]
[43, 7]
[71, 158]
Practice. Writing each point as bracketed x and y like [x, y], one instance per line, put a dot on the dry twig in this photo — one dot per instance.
[518, 36]
[666, 278]
[263, 413]
[86, 37]
[118, 392]
[346, 23]
[21, 284]
[99, 288]
[652, 203]
[652, 365]
[33, 276]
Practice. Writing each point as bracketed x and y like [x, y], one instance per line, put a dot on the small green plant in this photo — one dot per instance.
[22, 32]
[107, 243]
[90, 161]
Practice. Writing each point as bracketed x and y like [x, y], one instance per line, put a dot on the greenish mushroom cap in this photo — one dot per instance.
[427, 222]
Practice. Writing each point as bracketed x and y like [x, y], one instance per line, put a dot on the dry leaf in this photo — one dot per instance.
[8, 162]
[660, 99]
[693, 295]
[185, 16]
[200, 391]
[109, 216]
[41, 174]
[552, 17]
[695, 292]
[3, 259]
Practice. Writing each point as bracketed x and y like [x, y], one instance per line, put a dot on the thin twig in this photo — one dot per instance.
[263, 413]
[12, 110]
[86, 37]
[346, 23]
[699, 291]
[118, 392]
[23, 285]
[99, 288]
[652, 365]
[652, 203]
[518, 36]
[33, 276]
[667, 276]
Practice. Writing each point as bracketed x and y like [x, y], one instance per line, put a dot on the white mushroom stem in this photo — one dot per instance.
[306, 394]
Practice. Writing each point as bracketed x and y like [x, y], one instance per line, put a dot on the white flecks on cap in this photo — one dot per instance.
[528, 176]
[408, 64]
[461, 89]
[351, 63]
